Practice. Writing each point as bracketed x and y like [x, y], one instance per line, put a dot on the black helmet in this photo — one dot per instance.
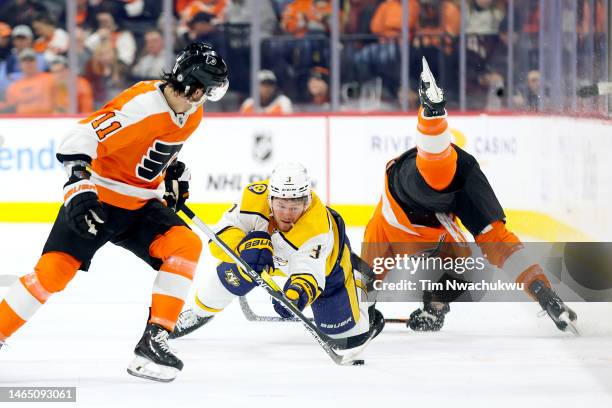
[199, 66]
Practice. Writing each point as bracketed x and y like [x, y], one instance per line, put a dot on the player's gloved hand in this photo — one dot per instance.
[432, 98]
[301, 290]
[83, 209]
[256, 250]
[177, 185]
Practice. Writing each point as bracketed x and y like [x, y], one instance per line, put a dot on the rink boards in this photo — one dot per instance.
[552, 174]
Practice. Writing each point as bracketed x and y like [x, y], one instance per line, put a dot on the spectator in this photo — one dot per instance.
[271, 100]
[187, 9]
[439, 17]
[105, 73]
[5, 41]
[52, 40]
[22, 38]
[85, 13]
[33, 93]
[83, 53]
[151, 63]
[5, 50]
[483, 18]
[121, 40]
[318, 90]
[530, 100]
[202, 29]
[387, 20]
[61, 95]
[382, 59]
[306, 16]
[359, 16]
[239, 12]
[141, 15]
[18, 12]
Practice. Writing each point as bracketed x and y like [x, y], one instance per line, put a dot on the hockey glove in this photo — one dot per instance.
[83, 209]
[431, 316]
[432, 98]
[301, 290]
[256, 250]
[177, 185]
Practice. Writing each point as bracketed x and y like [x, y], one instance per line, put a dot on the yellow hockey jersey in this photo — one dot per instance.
[312, 246]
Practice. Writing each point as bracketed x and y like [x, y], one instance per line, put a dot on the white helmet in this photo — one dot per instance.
[290, 180]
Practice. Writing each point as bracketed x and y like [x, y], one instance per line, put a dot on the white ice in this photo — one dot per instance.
[488, 354]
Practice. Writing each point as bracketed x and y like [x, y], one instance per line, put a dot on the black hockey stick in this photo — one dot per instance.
[360, 265]
[251, 316]
[331, 346]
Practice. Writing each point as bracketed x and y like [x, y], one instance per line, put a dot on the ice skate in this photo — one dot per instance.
[431, 96]
[188, 322]
[564, 317]
[377, 323]
[154, 360]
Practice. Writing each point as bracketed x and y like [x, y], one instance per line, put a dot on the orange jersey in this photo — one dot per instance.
[61, 97]
[280, 104]
[32, 95]
[131, 142]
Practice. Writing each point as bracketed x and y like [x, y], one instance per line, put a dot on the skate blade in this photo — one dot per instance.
[144, 368]
[571, 325]
[349, 355]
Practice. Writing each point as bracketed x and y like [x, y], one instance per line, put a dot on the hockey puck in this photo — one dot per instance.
[358, 362]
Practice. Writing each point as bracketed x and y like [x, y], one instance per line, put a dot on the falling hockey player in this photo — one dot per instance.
[281, 223]
[115, 160]
[426, 188]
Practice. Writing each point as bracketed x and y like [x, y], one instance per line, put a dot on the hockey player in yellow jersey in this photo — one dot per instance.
[281, 224]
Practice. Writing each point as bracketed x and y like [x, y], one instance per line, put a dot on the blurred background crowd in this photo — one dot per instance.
[71, 56]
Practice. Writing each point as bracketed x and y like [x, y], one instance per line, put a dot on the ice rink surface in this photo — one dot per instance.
[488, 354]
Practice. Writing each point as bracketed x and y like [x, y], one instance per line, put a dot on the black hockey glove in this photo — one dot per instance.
[177, 185]
[83, 209]
[431, 316]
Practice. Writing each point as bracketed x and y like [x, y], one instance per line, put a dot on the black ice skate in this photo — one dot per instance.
[154, 360]
[431, 96]
[188, 321]
[430, 317]
[377, 323]
[564, 317]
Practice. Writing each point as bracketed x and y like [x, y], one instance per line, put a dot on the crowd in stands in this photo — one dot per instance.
[120, 42]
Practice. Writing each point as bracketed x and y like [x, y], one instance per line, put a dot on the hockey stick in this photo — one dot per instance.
[251, 316]
[331, 346]
[365, 270]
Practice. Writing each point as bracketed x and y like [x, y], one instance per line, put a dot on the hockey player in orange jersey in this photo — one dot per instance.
[115, 160]
[426, 189]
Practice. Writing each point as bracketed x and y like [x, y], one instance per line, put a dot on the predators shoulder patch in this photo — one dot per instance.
[258, 188]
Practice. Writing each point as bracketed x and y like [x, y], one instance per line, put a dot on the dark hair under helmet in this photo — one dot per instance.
[199, 66]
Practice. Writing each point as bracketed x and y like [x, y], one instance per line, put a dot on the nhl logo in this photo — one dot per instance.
[179, 77]
[262, 147]
[231, 278]
[210, 60]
